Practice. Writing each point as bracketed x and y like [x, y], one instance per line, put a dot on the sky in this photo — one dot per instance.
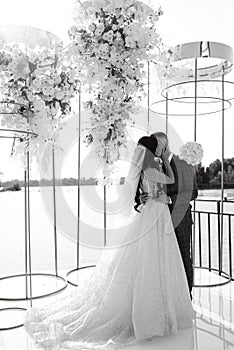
[183, 21]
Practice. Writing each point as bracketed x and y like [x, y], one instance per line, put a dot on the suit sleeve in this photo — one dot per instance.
[173, 189]
[184, 189]
[195, 190]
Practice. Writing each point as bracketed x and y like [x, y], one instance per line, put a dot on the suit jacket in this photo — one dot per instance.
[181, 192]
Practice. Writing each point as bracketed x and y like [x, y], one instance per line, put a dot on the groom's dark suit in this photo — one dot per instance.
[181, 192]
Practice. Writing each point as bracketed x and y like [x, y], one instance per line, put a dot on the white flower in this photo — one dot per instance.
[191, 153]
[48, 90]
[33, 56]
[58, 94]
[99, 30]
[108, 36]
[71, 77]
[130, 42]
[92, 27]
[42, 56]
[56, 79]
[30, 95]
[39, 105]
[121, 19]
[104, 49]
[42, 114]
[118, 36]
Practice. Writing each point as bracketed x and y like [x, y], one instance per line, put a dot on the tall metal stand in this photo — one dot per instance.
[75, 272]
[148, 97]
[195, 139]
[28, 275]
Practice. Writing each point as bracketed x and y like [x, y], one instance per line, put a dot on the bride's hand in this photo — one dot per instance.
[166, 153]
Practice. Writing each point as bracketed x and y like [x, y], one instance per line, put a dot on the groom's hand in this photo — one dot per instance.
[143, 198]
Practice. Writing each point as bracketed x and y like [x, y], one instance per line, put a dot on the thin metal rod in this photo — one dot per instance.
[195, 102]
[25, 234]
[222, 175]
[219, 241]
[195, 138]
[230, 244]
[78, 186]
[167, 113]
[200, 243]
[104, 195]
[148, 98]
[55, 218]
[29, 230]
[209, 242]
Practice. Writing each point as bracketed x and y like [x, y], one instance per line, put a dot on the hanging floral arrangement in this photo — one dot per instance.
[111, 42]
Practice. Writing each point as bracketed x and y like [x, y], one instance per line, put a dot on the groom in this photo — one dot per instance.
[181, 193]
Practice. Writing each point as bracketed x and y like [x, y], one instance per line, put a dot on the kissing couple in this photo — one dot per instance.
[142, 289]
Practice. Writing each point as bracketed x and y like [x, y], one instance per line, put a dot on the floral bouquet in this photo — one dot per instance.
[191, 153]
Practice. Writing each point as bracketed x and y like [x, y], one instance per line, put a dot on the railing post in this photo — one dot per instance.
[230, 244]
[200, 243]
[104, 195]
[219, 238]
[209, 243]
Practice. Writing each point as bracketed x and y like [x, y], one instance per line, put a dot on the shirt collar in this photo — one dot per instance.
[170, 157]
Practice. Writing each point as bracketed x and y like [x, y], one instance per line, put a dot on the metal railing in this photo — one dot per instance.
[213, 233]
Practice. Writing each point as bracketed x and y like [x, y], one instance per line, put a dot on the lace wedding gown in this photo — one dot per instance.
[136, 292]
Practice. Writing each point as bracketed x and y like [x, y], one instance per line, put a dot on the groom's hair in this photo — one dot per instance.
[159, 134]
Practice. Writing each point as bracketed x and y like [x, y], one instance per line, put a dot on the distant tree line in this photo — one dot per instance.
[207, 177]
[210, 177]
[49, 182]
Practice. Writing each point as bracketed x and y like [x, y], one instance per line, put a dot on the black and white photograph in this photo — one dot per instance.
[116, 175]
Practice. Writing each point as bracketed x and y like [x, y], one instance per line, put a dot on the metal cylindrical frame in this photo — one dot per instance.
[27, 238]
[222, 99]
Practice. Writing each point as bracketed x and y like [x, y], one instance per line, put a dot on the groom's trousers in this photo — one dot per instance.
[183, 231]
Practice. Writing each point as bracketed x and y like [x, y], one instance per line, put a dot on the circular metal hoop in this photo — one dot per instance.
[29, 36]
[10, 309]
[17, 132]
[37, 296]
[166, 91]
[176, 99]
[77, 270]
[223, 275]
[209, 50]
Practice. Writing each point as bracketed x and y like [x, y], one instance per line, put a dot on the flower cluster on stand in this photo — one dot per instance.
[37, 88]
[112, 40]
[191, 153]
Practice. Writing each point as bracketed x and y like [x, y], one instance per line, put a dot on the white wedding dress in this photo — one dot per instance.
[136, 292]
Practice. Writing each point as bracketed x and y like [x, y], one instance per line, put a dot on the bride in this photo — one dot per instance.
[138, 290]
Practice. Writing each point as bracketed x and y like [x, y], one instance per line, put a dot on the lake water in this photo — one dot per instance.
[91, 230]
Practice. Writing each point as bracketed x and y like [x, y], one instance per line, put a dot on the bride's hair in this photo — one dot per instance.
[151, 143]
